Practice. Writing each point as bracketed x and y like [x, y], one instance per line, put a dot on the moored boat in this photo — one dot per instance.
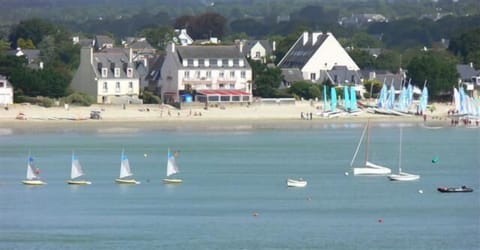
[462, 189]
[296, 183]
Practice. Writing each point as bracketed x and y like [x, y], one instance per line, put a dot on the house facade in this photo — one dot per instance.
[259, 50]
[210, 73]
[469, 77]
[6, 91]
[110, 77]
[317, 56]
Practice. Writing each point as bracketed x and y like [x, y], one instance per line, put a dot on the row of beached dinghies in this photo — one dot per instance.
[125, 177]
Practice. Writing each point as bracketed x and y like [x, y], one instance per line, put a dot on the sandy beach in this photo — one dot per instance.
[267, 115]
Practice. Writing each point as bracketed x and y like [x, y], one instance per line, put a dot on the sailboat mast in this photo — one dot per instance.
[368, 142]
[400, 152]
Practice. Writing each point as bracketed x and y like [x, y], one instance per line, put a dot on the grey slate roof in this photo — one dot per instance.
[140, 44]
[100, 40]
[292, 75]
[111, 60]
[466, 72]
[300, 54]
[265, 44]
[155, 72]
[341, 75]
[202, 52]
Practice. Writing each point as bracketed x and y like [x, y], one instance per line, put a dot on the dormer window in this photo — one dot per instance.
[241, 63]
[195, 63]
[257, 54]
[230, 62]
[224, 62]
[185, 63]
[129, 72]
[117, 72]
[219, 63]
[104, 72]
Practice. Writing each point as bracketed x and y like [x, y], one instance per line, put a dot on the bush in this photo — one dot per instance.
[151, 98]
[81, 99]
[39, 100]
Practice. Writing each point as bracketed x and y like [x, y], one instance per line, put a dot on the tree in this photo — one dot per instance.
[306, 90]
[159, 36]
[266, 79]
[204, 26]
[362, 58]
[437, 68]
[34, 29]
[467, 46]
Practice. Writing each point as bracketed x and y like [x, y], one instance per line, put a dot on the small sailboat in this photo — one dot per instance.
[172, 168]
[369, 168]
[402, 176]
[296, 183]
[33, 174]
[77, 172]
[125, 172]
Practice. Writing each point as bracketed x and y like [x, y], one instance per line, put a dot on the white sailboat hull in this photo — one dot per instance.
[33, 182]
[402, 176]
[371, 169]
[79, 182]
[296, 183]
[172, 181]
[126, 181]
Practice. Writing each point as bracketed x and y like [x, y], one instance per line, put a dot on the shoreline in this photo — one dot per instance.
[149, 116]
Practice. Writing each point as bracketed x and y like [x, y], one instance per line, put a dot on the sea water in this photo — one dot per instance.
[234, 193]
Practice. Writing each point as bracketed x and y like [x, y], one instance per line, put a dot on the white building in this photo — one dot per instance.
[315, 53]
[108, 76]
[6, 91]
[211, 73]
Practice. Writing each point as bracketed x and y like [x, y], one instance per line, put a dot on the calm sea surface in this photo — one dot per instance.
[230, 175]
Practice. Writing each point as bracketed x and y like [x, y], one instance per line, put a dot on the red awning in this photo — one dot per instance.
[223, 92]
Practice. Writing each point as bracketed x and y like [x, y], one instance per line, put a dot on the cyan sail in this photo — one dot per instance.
[382, 100]
[333, 97]
[346, 98]
[353, 99]
[423, 100]
[391, 97]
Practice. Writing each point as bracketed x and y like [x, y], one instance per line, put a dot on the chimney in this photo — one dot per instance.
[240, 46]
[305, 37]
[173, 47]
[315, 36]
[274, 46]
[130, 55]
[471, 65]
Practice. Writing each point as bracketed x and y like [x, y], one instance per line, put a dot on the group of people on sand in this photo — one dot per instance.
[306, 116]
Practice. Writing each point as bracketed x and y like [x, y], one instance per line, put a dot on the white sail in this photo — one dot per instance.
[125, 167]
[31, 175]
[77, 170]
[172, 167]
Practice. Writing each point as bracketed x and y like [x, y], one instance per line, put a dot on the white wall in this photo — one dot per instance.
[331, 53]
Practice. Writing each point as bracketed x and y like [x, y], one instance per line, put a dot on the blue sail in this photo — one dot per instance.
[409, 94]
[423, 100]
[353, 99]
[382, 100]
[346, 98]
[391, 97]
[333, 97]
[463, 106]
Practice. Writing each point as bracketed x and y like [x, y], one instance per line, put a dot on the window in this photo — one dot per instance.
[129, 72]
[117, 72]
[335, 78]
[104, 72]
[257, 54]
[221, 74]
[232, 85]
[243, 75]
[232, 74]
[201, 62]
[130, 86]
[353, 78]
[209, 74]
[197, 74]
[2, 85]
[117, 87]
[190, 62]
[225, 62]
[209, 86]
[221, 86]
[186, 74]
[105, 87]
[313, 76]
